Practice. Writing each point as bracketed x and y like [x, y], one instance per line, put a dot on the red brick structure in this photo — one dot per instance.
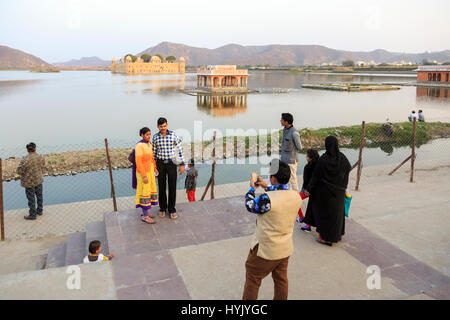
[434, 74]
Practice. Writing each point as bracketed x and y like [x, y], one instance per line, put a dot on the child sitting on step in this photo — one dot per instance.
[95, 247]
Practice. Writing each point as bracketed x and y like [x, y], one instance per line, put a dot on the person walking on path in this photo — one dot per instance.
[190, 183]
[31, 172]
[326, 208]
[272, 243]
[144, 171]
[290, 146]
[166, 147]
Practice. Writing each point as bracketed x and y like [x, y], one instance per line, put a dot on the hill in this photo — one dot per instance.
[85, 62]
[283, 55]
[15, 59]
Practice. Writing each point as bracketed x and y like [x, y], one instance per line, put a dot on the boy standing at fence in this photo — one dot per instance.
[191, 181]
[31, 172]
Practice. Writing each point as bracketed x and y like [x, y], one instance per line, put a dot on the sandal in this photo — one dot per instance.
[146, 220]
[151, 215]
[173, 215]
[328, 243]
[162, 214]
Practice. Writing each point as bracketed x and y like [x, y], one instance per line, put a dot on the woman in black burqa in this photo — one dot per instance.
[326, 207]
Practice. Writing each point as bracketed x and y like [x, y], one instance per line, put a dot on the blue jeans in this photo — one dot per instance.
[34, 195]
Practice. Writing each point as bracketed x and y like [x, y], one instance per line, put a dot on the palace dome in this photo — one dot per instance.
[181, 59]
[155, 59]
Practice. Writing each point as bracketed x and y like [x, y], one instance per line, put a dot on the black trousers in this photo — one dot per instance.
[34, 195]
[167, 171]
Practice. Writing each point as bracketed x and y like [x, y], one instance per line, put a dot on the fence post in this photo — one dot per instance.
[413, 150]
[213, 170]
[2, 218]
[113, 193]
[361, 146]
[211, 180]
[412, 156]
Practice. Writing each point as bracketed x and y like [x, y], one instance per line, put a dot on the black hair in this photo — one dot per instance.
[94, 245]
[31, 147]
[420, 110]
[287, 117]
[312, 154]
[191, 162]
[144, 130]
[413, 111]
[161, 121]
[284, 173]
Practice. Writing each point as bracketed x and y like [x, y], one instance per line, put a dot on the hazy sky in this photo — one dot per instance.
[59, 30]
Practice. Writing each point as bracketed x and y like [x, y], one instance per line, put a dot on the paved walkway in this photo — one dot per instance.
[399, 226]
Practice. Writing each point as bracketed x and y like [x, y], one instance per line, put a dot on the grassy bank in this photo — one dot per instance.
[350, 136]
[78, 161]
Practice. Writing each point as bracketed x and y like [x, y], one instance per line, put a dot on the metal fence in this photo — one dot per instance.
[84, 181]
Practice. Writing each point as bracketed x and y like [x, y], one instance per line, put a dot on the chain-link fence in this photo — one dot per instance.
[77, 185]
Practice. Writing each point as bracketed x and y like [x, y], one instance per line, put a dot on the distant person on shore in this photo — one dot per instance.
[290, 146]
[31, 172]
[312, 156]
[144, 171]
[326, 207]
[166, 148]
[272, 244]
[95, 255]
[190, 183]
[412, 116]
[421, 116]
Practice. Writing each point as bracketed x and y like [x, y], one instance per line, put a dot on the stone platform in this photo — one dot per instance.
[399, 226]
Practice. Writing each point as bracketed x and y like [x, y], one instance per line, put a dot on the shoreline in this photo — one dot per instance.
[82, 161]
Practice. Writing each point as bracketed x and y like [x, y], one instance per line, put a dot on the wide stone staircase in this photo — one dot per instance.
[76, 248]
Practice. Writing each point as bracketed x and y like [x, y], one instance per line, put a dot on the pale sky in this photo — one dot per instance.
[60, 30]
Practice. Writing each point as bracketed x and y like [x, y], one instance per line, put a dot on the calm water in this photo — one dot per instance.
[74, 110]
[78, 107]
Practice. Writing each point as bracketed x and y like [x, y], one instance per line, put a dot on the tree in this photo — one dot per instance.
[146, 57]
[170, 58]
[159, 56]
[348, 63]
[133, 57]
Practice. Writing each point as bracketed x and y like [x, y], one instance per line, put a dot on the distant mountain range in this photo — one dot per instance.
[15, 59]
[275, 55]
[84, 62]
[282, 55]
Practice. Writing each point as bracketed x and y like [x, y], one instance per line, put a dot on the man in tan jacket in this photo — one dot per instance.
[272, 243]
[31, 171]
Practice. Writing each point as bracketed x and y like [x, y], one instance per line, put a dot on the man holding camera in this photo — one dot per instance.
[272, 243]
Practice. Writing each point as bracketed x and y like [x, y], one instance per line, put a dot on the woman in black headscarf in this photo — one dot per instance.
[326, 208]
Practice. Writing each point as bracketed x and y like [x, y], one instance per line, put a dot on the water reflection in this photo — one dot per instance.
[387, 148]
[222, 105]
[160, 85]
[8, 87]
[432, 93]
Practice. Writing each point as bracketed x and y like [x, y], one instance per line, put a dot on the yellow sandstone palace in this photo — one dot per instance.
[155, 66]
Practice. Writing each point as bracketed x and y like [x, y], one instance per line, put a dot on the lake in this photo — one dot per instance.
[81, 107]
[74, 110]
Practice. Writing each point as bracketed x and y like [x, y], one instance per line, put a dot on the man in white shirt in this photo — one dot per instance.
[412, 116]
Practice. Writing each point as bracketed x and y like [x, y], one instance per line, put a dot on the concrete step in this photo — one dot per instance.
[56, 256]
[76, 248]
[97, 231]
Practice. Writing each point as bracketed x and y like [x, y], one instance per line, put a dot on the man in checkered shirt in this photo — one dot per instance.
[166, 149]
[31, 172]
